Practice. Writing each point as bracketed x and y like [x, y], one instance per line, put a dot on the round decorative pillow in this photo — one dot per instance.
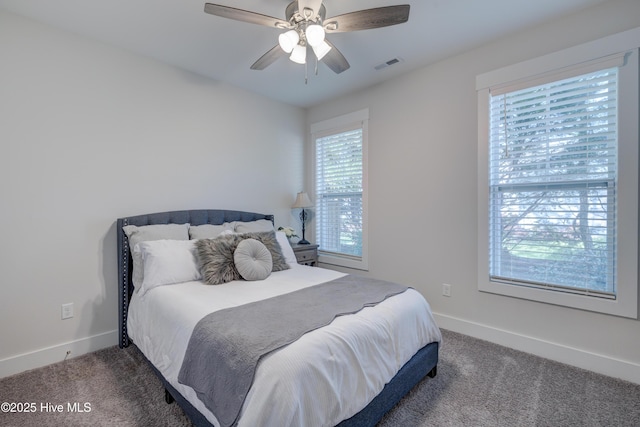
[253, 260]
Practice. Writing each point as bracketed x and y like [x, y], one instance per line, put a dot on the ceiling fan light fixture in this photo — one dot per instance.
[321, 50]
[314, 34]
[299, 54]
[288, 40]
[305, 25]
[307, 13]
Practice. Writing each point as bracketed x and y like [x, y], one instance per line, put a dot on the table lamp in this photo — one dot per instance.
[302, 202]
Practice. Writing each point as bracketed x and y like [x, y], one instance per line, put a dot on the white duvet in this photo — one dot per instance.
[326, 376]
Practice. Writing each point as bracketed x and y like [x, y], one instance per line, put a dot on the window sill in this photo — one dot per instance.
[615, 307]
[339, 261]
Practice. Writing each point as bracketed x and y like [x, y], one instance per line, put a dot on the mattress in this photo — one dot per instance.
[324, 377]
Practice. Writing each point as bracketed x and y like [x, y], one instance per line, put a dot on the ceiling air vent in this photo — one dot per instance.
[388, 63]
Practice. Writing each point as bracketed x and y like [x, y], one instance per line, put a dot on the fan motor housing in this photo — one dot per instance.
[292, 12]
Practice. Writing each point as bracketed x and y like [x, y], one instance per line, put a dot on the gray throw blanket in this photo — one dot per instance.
[225, 346]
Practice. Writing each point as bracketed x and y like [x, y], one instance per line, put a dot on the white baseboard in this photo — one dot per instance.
[46, 356]
[599, 363]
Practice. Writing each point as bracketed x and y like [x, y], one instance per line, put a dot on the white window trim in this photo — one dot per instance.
[360, 118]
[626, 303]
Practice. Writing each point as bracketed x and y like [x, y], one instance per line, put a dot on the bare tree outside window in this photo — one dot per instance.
[553, 172]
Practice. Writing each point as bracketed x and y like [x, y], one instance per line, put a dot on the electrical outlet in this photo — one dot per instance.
[446, 290]
[67, 311]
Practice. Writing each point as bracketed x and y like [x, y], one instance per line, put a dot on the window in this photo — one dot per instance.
[558, 182]
[340, 189]
[552, 185]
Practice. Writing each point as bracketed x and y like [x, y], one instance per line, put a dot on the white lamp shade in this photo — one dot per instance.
[321, 50]
[302, 201]
[288, 40]
[314, 34]
[299, 54]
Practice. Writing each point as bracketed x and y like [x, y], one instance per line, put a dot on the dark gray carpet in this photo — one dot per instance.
[478, 384]
[482, 384]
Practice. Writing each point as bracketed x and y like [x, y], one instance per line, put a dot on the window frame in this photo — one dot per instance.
[535, 174]
[350, 121]
[553, 67]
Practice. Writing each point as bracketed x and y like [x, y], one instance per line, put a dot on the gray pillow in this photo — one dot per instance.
[269, 239]
[215, 256]
[208, 231]
[253, 260]
[253, 226]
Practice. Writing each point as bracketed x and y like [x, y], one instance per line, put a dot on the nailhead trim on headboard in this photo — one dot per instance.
[125, 289]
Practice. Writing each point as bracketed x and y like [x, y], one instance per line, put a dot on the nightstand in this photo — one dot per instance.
[306, 254]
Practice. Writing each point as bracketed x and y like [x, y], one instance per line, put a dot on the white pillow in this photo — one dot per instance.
[253, 226]
[209, 231]
[167, 262]
[145, 233]
[287, 250]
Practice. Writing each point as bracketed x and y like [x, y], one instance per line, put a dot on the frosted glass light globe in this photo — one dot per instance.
[288, 40]
[314, 34]
[299, 54]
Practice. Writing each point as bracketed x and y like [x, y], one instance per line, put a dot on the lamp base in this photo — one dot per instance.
[303, 219]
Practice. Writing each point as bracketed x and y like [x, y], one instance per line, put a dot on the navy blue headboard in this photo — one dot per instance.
[125, 262]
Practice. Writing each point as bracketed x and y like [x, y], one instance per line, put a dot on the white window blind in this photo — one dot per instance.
[553, 171]
[339, 190]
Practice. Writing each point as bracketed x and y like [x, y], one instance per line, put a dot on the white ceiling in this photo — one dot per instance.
[178, 32]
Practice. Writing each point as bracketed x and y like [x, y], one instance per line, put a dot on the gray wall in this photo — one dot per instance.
[423, 198]
[90, 133]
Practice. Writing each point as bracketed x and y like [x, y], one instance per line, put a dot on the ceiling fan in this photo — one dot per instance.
[305, 26]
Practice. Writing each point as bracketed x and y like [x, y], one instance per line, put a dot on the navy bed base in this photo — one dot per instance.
[424, 362]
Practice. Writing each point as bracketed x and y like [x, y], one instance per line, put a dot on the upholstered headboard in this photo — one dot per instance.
[125, 261]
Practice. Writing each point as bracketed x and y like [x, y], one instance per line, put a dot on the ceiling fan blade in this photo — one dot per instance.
[245, 16]
[368, 19]
[335, 59]
[268, 58]
[312, 5]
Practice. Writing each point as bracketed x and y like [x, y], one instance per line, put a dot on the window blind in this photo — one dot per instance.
[552, 177]
[339, 188]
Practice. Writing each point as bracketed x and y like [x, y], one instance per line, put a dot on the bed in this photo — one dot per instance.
[377, 370]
